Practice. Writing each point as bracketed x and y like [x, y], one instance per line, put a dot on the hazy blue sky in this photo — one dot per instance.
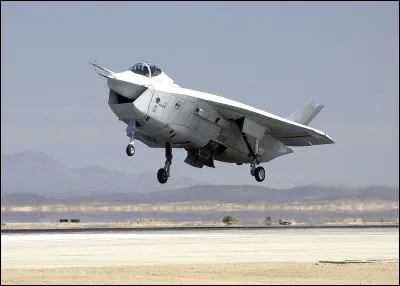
[344, 55]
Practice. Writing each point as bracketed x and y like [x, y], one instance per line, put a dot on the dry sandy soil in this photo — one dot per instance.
[220, 273]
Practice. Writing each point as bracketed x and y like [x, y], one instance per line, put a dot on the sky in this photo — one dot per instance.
[276, 56]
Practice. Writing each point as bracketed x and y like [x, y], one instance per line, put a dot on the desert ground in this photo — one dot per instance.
[307, 273]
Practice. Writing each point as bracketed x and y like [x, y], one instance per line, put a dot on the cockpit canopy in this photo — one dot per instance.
[143, 68]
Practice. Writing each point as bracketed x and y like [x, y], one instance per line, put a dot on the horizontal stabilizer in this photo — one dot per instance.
[306, 114]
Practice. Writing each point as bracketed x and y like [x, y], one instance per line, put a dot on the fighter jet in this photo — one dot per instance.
[162, 114]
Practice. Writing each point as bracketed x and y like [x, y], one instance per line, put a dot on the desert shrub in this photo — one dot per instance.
[229, 220]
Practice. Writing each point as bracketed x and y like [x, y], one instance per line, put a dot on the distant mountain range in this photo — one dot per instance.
[226, 194]
[35, 172]
[35, 178]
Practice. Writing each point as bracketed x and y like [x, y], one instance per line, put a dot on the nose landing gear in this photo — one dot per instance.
[130, 131]
[130, 150]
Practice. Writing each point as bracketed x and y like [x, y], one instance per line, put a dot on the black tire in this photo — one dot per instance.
[130, 150]
[162, 176]
[259, 174]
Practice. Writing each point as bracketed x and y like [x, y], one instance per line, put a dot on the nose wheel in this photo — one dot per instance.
[130, 150]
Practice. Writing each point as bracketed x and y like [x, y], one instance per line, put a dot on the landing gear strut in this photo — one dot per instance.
[130, 131]
[259, 172]
[163, 173]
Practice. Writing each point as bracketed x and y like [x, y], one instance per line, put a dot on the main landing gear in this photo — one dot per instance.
[259, 172]
[163, 173]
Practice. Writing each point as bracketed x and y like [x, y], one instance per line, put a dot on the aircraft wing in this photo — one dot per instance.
[284, 130]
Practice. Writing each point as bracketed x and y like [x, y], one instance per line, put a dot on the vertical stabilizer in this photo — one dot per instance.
[306, 114]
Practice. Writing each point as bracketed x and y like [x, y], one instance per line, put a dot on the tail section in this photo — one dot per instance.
[306, 114]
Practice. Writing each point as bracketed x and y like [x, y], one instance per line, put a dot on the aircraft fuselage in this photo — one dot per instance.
[169, 113]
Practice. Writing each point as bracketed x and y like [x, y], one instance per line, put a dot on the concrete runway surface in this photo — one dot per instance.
[19, 251]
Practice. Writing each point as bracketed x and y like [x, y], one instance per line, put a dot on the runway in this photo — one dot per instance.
[50, 250]
[86, 229]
